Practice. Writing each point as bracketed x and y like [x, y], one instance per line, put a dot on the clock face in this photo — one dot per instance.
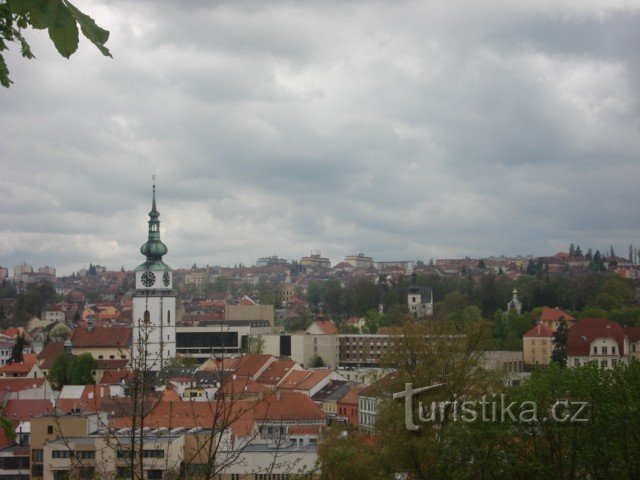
[148, 279]
[166, 279]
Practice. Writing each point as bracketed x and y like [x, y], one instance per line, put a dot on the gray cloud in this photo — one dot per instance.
[404, 130]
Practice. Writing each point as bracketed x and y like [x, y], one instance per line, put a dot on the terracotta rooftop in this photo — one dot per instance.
[250, 365]
[101, 337]
[24, 367]
[276, 371]
[326, 326]
[20, 384]
[352, 395]
[554, 315]
[539, 331]
[586, 331]
[633, 333]
[304, 379]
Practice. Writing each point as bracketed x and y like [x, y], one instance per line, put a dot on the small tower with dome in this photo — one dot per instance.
[515, 303]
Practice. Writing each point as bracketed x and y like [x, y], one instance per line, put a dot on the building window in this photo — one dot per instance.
[153, 453]
[633, 347]
[154, 475]
[61, 454]
[613, 350]
[36, 455]
[604, 350]
[86, 454]
[147, 316]
[603, 363]
[169, 317]
[576, 362]
[595, 350]
[49, 429]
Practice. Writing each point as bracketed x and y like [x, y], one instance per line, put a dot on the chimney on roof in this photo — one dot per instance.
[277, 394]
[538, 329]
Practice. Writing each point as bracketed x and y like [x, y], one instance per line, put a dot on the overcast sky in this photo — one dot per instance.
[404, 130]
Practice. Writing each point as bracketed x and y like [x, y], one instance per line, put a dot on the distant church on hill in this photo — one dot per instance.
[419, 300]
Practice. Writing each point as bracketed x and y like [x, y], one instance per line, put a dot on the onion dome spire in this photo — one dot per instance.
[153, 248]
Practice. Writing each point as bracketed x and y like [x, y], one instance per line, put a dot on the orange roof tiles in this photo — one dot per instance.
[554, 315]
[276, 371]
[24, 367]
[539, 331]
[51, 350]
[101, 337]
[326, 326]
[20, 384]
[304, 379]
[586, 331]
[351, 396]
[250, 365]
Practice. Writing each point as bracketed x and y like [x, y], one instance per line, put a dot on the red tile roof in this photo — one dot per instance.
[50, 350]
[23, 410]
[326, 326]
[304, 379]
[241, 385]
[276, 371]
[13, 332]
[351, 397]
[20, 384]
[539, 331]
[586, 331]
[250, 365]
[101, 337]
[241, 415]
[112, 377]
[89, 400]
[633, 333]
[554, 315]
[24, 367]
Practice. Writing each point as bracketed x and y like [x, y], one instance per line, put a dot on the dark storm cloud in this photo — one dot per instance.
[403, 130]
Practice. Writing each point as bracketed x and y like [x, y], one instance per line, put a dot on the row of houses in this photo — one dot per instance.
[592, 340]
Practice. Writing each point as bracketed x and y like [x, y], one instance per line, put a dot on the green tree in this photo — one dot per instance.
[60, 17]
[60, 371]
[81, 370]
[18, 349]
[560, 339]
[317, 362]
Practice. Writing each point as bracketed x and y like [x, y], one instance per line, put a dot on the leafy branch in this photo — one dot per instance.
[59, 17]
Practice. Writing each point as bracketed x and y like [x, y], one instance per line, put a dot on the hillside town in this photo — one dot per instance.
[220, 372]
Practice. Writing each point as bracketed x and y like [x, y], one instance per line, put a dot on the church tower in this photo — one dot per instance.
[154, 303]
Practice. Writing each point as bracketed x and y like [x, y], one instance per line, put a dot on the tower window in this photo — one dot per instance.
[147, 316]
[168, 317]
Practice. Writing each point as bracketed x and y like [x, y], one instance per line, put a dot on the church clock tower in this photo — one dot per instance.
[154, 302]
